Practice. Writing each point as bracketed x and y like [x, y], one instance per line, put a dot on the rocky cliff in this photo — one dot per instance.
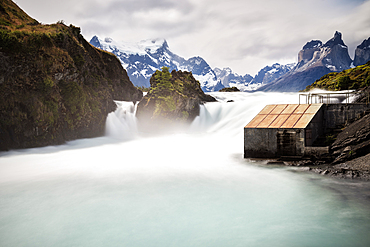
[173, 100]
[54, 85]
[362, 53]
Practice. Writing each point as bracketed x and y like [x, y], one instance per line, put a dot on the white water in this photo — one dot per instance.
[188, 189]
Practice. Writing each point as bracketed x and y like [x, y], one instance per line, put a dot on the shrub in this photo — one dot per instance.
[366, 82]
[344, 82]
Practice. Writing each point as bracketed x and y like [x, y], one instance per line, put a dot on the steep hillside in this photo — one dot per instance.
[355, 78]
[54, 85]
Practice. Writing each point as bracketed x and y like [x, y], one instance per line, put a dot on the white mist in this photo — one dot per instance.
[186, 189]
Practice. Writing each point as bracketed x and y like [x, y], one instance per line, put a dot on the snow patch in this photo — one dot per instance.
[141, 48]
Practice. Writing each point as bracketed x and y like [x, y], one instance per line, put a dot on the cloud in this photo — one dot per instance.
[244, 35]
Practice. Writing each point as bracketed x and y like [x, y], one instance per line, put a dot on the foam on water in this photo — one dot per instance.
[186, 189]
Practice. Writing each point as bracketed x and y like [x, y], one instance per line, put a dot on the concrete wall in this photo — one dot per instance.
[337, 115]
[273, 143]
[260, 143]
[290, 142]
[315, 128]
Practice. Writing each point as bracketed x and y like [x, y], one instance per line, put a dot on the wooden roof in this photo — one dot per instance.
[285, 116]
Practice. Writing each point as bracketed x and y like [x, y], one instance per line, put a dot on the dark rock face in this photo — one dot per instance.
[350, 153]
[353, 141]
[173, 100]
[362, 53]
[54, 85]
[314, 61]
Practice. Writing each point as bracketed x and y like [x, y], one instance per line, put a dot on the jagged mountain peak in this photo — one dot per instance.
[312, 44]
[365, 44]
[336, 40]
[362, 53]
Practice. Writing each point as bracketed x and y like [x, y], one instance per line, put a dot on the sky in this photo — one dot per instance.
[244, 35]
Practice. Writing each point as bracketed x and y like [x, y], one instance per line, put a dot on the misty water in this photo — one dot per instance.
[191, 188]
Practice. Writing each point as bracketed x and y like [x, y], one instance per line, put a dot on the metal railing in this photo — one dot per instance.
[328, 98]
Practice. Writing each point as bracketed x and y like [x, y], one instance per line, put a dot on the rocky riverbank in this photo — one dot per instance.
[349, 154]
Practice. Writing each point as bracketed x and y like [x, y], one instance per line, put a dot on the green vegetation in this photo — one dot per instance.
[355, 78]
[172, 98]
[229, 89]
[53, 84]
[329, 139]
[161, 90]
[163, 80]
[143, 89]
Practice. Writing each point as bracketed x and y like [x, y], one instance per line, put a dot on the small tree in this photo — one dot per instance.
[163, 78]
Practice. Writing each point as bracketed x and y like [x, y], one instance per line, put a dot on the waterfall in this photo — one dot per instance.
[122, 124]
[229, 115]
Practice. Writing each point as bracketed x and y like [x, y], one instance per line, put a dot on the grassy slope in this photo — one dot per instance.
[356, 78]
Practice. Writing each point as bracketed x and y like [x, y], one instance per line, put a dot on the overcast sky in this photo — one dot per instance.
[245, 35]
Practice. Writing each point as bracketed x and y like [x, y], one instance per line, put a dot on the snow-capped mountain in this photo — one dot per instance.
[230, 79]
[270, 73]
[248, 83]
[314, 60]
[142, 59]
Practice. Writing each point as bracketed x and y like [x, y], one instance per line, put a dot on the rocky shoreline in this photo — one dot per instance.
[349, 154]
[355, 169]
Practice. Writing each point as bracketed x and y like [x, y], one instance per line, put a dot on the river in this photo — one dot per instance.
[191, 188]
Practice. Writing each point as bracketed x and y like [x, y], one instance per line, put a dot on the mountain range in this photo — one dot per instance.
[142, 59]
[315, 59]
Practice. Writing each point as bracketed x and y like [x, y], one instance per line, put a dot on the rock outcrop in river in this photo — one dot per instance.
[173, 100]
[54, 85]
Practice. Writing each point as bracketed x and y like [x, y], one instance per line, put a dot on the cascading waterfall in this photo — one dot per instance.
[121, 124]
[187, 189]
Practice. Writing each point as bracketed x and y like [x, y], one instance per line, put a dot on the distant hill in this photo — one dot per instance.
[355, 78]
[54, 86]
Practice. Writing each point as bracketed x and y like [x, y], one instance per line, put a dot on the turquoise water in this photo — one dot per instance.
[188, 189]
